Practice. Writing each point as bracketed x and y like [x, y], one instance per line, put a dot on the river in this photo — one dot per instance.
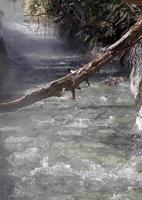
[60, 149]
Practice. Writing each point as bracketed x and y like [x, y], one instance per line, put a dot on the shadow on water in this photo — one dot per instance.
[129, 144]
[6, 181]
[4, 64]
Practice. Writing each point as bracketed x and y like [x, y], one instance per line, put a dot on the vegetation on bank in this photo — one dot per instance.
[85, 21]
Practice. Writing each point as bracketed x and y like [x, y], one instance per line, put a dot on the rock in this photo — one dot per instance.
[136, 82]
[114, 81]
[139, 120]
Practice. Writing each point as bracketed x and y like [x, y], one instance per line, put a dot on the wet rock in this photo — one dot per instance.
[139, 119]
[114, 81]
[136, 83]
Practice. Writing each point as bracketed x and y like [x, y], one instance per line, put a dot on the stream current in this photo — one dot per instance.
[59, 149]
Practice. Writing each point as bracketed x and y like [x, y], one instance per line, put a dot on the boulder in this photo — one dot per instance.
[136, 83]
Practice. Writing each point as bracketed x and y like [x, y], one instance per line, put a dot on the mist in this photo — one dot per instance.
[12, 11]
[27, 46]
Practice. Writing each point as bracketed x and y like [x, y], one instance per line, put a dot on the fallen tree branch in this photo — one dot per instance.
[73, 80]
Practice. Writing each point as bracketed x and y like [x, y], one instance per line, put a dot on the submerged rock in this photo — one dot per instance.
[114, 81]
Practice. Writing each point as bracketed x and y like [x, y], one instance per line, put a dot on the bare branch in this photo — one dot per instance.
[73, 80]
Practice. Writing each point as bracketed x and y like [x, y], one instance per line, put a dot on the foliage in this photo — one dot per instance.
[87, 21]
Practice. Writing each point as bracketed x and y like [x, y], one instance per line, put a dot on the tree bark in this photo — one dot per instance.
[73, 80]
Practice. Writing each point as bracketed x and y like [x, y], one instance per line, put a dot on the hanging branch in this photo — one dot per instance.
[72, 81]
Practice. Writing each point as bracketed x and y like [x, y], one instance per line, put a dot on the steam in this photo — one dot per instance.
[26, 44]
[11, 12]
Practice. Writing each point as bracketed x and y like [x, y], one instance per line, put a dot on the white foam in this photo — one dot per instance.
[20, 158]
[43, 122]
[10, 128]
[80, 123]
[139, 120]
[103, 99]
[92, 172]
[60, 169]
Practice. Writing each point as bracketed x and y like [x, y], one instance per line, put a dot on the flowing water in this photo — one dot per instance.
[59, 149]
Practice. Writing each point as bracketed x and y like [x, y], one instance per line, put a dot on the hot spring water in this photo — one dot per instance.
[59, 149]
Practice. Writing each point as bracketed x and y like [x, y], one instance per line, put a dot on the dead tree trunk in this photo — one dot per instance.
[73, 80]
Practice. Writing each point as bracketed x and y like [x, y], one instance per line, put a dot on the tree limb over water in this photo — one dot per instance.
[72, 81]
